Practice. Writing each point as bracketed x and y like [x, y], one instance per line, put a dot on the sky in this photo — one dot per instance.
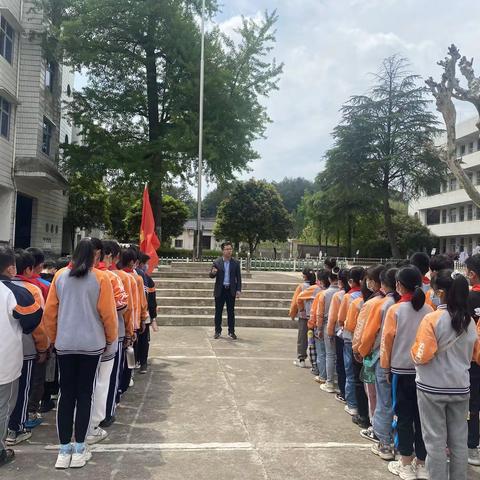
[330, 48]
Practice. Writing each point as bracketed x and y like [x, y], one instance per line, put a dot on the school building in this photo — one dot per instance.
[33, 92]
[449, 213]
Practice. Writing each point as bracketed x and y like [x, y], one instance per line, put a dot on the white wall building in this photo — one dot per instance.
[187, 240]
[450, 214]
[33, 196]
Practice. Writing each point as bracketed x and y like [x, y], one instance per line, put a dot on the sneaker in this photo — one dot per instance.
[314, 372]
[217, 336]
[98, 435]
[369, 434]
[14, 438]
[339, 398]
[319, 379]
[34, 420]
[384, 452]
[143, 369]
[132, 383]
[232, 336]
[474, 457]
[6, 456]
[405, 472]
[361, 421]
[47, 406]
[108, 422]
[81, 455]
[64, 456]
[299, 363]
[421, 470]
[328, 387]
[350, 410]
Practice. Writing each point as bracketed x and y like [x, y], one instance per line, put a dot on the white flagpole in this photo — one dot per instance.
[200, 135]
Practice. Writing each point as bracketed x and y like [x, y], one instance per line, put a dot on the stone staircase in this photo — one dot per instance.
[185, 297]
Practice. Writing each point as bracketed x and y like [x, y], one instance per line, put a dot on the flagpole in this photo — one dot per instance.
[200, 135]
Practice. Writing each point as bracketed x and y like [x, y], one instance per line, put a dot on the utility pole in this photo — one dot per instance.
[200, 136]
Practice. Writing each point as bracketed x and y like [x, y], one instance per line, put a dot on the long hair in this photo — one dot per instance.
[411, 279]
[389, 279]
[82, 259]
[455, 285]
[343, 277]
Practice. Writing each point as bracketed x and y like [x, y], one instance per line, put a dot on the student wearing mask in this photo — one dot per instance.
[81, 319]
[422, 261]
[437, 263]
[445, 345]
[401, 325]
[19, 314]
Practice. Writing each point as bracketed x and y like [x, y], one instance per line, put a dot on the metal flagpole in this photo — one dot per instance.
[200, 135]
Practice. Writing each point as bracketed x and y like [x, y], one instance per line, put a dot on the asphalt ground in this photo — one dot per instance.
[218, 409]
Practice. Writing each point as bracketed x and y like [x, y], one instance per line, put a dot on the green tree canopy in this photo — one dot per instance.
[252, 213]
[139, 111]
[292, 191]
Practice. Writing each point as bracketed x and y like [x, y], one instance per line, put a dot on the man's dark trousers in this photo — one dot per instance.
[225, 297]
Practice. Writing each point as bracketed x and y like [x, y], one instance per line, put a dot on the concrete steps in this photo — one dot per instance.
[240, 321]
[185, 297]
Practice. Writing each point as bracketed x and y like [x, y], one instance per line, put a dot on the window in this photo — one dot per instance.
[453, 184]
[470, 212]
[47, 136]
[5, 112]
[66, 140]
[477, 177]
[470, 147]
[7, 36]
[470, 176]
[50, 76]
[56, 229]
[461, 214]
[178, 243]
[453, 245]
[462, 244]
[444, 216]
[462, 149]
[453, 215]
[470, 245]
[478, 144]
[69, 91]
[477, 216]
[46, 227]
[206, 242]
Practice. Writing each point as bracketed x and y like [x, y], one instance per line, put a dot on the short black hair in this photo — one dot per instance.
[62, 262]
[330, 262]
[127, 256]
[38, 255]
[323, 275]
[226, 244]
[111, 247]
[356, 274]
[441, 262]
[473, 264]
[98, 245]
[7, 258]
[24, 260]
[422, 261]
[49, 264]
[311, 278]
[143, 257]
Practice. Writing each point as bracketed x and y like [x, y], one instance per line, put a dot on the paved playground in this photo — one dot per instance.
[216, 409]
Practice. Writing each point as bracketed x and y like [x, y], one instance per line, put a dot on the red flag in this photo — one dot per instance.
[149, 242]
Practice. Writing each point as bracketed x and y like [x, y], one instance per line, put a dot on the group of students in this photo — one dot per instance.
[76, 330]
[399, 346]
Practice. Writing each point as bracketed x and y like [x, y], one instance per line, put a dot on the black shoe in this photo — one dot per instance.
[6, 456]
[47, 406]
[108, 422]
[232, 336]
[361, 421]
[217, 336]
[143, 369]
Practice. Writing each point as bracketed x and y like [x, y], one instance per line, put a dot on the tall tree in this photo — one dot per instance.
[445, 92]
[139, 112]
[252, 213]
[398, 142]
[292, 191]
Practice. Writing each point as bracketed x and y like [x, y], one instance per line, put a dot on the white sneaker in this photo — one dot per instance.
[351, 411]
[299, 363]
[64, 457]
[319, 379]
[328, 387]
[405, 472]
[80, 458]
[132, 383]
[421, 470]
[474, 457]
[98, 435]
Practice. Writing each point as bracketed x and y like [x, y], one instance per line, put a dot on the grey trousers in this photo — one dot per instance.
[444, 422]
[8, 398]
[302, 341]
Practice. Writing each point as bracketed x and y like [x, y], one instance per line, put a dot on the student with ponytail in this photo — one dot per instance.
[401, 325]
[445, 345]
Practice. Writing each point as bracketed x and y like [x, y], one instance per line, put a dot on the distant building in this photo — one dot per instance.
[33, 193]
[187, 240]
[449, 213]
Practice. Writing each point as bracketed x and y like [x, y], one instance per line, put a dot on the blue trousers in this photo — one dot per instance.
[349, 374]
[383, 416]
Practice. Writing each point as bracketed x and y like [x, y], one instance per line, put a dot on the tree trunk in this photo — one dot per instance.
[387, 215]
[156, 171]
[349, 236]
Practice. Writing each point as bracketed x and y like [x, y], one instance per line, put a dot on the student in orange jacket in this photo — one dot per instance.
[398, 336]
[309, 281]
[81, 320]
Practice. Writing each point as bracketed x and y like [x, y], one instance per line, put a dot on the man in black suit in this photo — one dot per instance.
[228, 287]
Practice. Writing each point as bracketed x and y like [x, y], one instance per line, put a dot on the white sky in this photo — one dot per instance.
[329, 47]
